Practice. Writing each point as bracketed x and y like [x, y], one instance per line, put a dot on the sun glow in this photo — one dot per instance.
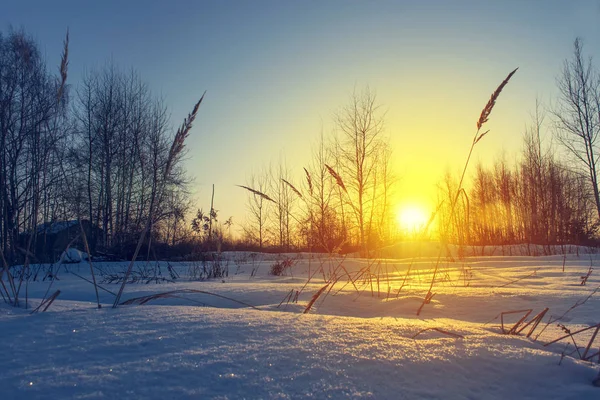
[411, 218]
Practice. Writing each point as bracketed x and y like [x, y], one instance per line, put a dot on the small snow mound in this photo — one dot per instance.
[72, 256]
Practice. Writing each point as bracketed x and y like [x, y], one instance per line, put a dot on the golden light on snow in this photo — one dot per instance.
[411, 218]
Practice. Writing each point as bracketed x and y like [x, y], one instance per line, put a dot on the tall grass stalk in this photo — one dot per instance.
[483, 118]
[89, 253]
[174, 152]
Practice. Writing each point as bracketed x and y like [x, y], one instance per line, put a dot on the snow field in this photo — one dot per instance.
[356, 342]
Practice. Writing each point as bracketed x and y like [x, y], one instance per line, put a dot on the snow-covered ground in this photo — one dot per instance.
[358, 340]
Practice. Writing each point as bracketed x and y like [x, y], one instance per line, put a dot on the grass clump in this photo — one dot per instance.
[281, 267]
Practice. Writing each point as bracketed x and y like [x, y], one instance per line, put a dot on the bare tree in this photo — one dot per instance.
[360, 124]
[578, 114]
[284, 202]
[31, 125]
[259, 208]
[321, 223]
[122, 146]
[538, 200]
[386, 181]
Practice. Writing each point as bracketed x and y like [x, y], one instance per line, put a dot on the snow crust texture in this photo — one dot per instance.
[352, 345]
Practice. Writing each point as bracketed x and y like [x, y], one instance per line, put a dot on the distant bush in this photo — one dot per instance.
[211, 267]
[280, 267]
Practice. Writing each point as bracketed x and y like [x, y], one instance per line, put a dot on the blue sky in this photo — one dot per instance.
[275, 73]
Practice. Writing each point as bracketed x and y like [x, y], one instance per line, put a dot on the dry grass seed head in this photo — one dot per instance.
[337, 177]
[487, 110]
[64, 64]
[256, 192]
[181, 135]
[292, 187]
[309, 181]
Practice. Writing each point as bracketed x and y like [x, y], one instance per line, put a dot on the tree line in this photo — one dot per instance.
[95, 150]
[95, 153]
[551, 195]
[343, 201]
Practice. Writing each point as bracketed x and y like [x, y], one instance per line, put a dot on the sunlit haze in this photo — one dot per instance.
[411, 218]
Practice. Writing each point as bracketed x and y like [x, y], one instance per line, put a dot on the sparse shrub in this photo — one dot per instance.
[137, 276]
[280, 267]
[142, 273]
[253, 257]
[211, 266]
[240, 258]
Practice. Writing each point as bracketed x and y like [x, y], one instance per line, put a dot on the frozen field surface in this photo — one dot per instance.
[357, 341]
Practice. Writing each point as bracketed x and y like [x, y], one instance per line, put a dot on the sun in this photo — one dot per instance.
[411, 218]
